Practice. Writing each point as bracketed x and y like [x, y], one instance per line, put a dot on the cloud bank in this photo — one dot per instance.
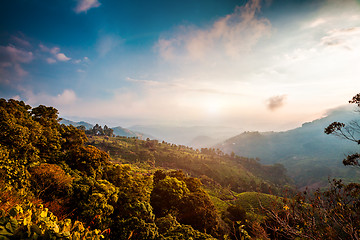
[60, 101]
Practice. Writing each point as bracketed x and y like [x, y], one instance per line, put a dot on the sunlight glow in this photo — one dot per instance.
[212, 107]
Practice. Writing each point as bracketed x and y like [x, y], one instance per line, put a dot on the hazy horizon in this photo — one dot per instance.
[253, 65]
[339, 113]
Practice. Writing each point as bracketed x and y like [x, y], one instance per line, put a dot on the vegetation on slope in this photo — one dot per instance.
[238, 173]
[45, 162]
[58, 185]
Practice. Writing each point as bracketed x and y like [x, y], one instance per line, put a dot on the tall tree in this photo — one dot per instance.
[351, 132]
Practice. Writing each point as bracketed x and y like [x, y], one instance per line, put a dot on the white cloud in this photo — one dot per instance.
[54, 50]
[55, 54]
[11, 60]
[166, 48]
[317, 22]
[84, 60]
[85, 5]
[66, 97]
[21, 41]
[19, 70]
[50, 60]
[5, 64]
[230, 36]
[145, 82]
[348, 38]
[62, 57]
[183, 87]
[16, 97]
[44, 48]
[60, 101]
[16, 55]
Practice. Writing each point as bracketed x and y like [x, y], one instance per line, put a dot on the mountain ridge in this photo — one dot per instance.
[303, 150]
[118, 131]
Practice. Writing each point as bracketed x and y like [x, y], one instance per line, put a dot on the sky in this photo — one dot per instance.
[249, 64]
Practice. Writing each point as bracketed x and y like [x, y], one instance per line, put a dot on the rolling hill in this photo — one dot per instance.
[310, 156]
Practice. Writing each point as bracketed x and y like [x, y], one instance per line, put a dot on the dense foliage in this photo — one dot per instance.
[238, 173]
[57, 184]
[333, 214]
[45, 162]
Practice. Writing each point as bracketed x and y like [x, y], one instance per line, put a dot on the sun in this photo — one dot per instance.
[212, 107]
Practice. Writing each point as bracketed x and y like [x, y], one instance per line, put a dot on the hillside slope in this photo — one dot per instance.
[310, 155]
[238, 173]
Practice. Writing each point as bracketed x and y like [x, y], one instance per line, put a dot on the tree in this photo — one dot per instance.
[19, 138]
[81, 127]
[108, 131]
[49, 142]
[72, 137]
[87, 159]
[350, 132]
[167, 195]
[97, 130]
[182, 197]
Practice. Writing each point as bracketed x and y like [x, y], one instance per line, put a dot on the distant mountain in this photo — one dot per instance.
[120, 131]
[307, 152]
[203, 142]
[188, 136]
[77, 124]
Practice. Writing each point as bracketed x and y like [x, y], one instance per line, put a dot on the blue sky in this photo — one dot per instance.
[251, 64]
